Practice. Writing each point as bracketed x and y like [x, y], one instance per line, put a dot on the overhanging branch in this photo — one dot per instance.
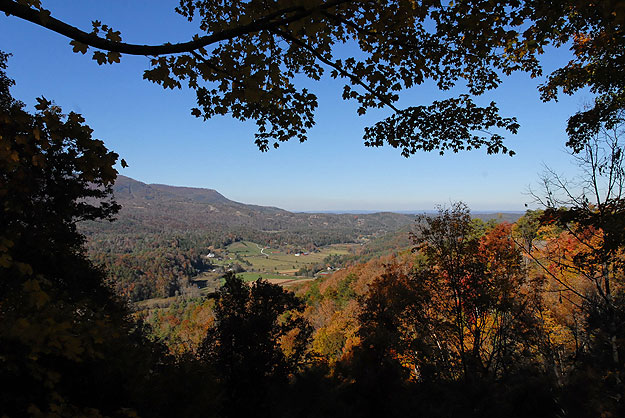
[275, 19]
[355, 79]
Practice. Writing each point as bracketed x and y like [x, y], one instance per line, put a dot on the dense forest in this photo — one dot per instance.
[449, 317]
[494, 319]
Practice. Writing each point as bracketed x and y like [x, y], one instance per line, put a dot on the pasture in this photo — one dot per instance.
[271, 260]
[250, 276]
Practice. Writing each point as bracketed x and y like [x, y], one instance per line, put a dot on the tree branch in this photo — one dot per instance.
[230, 77]
[356, 80]
[272, 20]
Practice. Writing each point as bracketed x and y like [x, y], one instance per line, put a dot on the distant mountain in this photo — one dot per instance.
[161, 232]
[127, 189]
[158, 208]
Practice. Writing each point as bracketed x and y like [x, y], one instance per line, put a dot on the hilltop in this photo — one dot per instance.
[163, 208]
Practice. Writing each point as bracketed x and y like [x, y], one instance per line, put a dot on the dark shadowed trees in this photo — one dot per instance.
[464, 317]
[258, 340]
[67, 346]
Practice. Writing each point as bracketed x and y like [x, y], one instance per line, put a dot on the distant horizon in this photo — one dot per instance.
[337, 211]
[403, 212]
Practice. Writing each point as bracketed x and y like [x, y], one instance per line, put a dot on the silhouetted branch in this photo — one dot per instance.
[272, 20]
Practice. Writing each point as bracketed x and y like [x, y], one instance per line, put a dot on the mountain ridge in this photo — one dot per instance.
[148, 208]
[163, 209]
[124, 185]
[123, 191]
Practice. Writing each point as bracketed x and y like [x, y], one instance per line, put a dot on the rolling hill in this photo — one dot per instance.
[157, 208]
[159, 242]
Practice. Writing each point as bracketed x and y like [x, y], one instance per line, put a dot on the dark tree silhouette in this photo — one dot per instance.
[66, 344]
[259, 339]
[247, 55]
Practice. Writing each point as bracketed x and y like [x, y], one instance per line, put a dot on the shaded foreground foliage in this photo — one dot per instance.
[68, 346]
[258, 341]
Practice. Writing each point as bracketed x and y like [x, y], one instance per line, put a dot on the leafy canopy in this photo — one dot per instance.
[247, 56]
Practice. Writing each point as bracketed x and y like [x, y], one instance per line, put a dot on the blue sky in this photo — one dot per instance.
[153, 130]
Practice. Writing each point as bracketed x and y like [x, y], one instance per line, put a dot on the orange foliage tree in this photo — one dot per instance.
[465, 312]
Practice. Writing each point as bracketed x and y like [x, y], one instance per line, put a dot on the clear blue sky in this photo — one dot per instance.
[153, 130]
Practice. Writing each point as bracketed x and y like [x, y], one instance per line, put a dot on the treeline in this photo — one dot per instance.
[149, 265]
[390, 243]
[221, 236]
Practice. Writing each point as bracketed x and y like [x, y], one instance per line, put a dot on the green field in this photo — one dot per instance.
[275, 265]
[244, 249]
[275, 261]
[252, 276]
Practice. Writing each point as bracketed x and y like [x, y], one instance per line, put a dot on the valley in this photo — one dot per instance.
[170, 242]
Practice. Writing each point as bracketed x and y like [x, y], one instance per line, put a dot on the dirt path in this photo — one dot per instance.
[262, 250]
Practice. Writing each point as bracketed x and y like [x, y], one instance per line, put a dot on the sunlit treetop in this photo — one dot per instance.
[246, 55]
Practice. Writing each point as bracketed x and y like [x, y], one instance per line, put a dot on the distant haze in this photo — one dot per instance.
[407, 212]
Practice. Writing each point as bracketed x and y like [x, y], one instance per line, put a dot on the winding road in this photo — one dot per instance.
[262, 250]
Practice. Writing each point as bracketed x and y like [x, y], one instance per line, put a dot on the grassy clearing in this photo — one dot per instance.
[274, 261]
[252, 276]
[158, 303]
[244, 249]
[339, 249]
[272, 257]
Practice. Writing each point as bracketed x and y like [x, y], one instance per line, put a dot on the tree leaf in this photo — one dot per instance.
[99, 57]
[79, 47]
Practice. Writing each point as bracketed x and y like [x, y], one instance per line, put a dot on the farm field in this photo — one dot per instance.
[250, 276]
[269, 260]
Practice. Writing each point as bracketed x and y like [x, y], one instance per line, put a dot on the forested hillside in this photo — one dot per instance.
[160, 208]
[468, 302]
[162, 234]
[155, 246]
